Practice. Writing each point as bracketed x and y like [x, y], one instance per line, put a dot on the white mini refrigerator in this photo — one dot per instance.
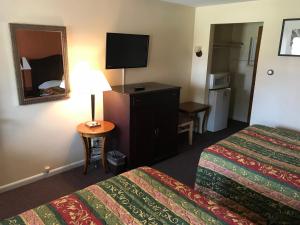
[219, 102]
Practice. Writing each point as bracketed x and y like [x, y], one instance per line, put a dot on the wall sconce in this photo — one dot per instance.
[198, 51]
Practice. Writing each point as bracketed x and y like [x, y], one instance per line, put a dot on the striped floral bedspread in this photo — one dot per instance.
[255, 173]
[140, 196]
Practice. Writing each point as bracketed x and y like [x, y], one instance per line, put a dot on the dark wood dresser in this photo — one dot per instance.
[146, 120]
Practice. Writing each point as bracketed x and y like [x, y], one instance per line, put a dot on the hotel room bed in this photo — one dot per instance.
[251, 177]
[140, 196]
[255, 173]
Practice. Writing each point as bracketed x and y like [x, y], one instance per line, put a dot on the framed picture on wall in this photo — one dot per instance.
[290, 38]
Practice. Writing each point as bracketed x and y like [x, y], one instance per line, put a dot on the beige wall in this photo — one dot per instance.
[276, 98]
[44, 134]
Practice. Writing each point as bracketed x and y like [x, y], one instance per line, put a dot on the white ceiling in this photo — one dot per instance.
[196, 3]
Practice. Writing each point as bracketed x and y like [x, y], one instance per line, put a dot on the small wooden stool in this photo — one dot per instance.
[192, 109]
[186, 124]
[87, 133]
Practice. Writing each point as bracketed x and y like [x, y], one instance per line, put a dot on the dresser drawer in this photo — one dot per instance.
[159, 98]
[144, 100]
[169, 97]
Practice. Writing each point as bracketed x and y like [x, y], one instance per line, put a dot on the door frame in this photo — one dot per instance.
[258, 44]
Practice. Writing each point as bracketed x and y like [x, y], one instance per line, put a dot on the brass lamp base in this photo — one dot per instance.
[93, 123]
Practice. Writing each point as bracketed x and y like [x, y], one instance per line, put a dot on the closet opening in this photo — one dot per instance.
[234, 54]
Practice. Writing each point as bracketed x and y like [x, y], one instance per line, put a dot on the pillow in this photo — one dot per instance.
[52, 91]
[49, 84]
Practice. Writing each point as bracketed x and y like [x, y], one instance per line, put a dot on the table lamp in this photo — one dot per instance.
[94, 82]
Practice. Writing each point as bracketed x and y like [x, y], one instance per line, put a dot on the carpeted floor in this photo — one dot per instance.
[182, 167]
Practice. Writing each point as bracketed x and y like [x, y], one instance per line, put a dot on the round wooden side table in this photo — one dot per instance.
[87, 133]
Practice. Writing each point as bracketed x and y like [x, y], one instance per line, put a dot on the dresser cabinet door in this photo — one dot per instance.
[155, 119]
[142, 129]
[166, 119]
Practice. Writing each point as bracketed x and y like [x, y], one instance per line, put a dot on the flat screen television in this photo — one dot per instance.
[126, 50]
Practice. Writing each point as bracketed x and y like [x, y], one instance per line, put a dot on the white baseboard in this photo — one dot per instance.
[39, 176]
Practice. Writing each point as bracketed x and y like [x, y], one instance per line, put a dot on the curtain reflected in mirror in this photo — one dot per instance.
[40, 57]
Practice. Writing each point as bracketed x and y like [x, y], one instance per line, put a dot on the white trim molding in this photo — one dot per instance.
[39, 176]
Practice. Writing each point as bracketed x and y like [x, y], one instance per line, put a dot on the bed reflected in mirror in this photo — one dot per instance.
[40, 57]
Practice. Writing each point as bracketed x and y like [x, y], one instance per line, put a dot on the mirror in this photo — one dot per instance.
[290, 38]
[40, 58]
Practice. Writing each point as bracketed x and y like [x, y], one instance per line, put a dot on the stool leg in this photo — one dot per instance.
[103, 155]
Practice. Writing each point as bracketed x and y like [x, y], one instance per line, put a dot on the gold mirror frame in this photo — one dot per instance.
[23, 100]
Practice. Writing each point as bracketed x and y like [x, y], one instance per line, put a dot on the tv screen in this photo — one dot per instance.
[126, 50]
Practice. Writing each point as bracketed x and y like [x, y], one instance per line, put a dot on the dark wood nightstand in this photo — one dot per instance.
[87, 133]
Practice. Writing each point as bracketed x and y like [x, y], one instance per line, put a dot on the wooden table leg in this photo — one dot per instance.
[204, 119]
[196, 122]
[191, 131]
[87, 148]
[103, 154]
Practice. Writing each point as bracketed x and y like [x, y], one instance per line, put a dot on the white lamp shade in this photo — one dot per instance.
[94, 82]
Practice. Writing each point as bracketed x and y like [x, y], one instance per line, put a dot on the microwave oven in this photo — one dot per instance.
[218, 80]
